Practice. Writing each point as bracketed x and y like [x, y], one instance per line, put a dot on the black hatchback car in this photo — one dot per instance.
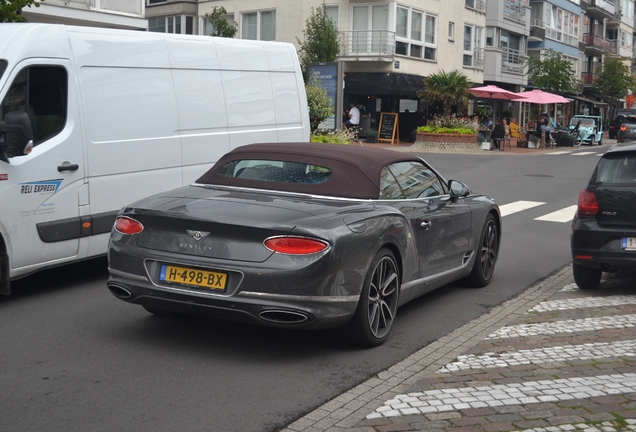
[626, 130]
[603, 237]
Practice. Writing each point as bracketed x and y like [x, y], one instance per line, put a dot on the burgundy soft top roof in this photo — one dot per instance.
[355, 169]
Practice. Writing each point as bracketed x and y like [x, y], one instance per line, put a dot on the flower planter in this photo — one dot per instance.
[446, 138]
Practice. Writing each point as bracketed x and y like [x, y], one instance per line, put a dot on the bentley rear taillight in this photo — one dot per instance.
[588, 206]
[295, 245]
[129, 226]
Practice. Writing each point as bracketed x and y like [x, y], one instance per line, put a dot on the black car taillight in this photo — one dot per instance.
[587, 206]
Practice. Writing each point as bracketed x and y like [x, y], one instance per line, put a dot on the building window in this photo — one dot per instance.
[490, 36]
[472, 46]
[416, 33]
[561, 25]
[369, 25]
[333, 12]
[156, 1]
[451, 31]
[208, 27]
[259, 25]
[172, 24]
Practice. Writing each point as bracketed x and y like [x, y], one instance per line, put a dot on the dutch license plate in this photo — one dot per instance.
[629, 243]
[193, 277]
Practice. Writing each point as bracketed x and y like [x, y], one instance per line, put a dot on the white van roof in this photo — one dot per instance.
[127, 48]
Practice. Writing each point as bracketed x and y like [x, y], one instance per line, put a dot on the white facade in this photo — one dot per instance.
[121, 14]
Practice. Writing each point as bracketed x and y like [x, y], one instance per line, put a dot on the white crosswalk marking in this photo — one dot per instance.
[560, 152]
[583, 153]
[563, 215]
[517, 206]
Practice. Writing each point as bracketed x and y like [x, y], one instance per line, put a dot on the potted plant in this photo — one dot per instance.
[371, 136]
[533, 142]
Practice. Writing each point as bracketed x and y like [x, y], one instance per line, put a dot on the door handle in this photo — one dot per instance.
[67, 167]
[426, 225]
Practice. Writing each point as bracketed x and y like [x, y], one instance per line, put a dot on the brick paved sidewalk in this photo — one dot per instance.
[553, 359]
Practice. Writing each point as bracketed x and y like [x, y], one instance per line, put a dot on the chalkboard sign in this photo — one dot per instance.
[388, 129]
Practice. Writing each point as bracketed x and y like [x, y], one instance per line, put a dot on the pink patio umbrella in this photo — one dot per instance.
[540, 97]
[493, 92]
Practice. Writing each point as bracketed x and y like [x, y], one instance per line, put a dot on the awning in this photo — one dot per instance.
[595, 102]
[384, 84]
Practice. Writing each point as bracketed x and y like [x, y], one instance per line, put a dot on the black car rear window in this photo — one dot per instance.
[273, 170]
[616, 169]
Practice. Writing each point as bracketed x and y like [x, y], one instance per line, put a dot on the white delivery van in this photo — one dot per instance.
[93, 119]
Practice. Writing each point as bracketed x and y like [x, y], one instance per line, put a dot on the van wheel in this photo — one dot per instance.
[162, 313]
[586, 278]
[486, 256]
[372, 322]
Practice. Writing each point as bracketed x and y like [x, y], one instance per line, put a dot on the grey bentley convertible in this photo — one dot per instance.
[304, 235]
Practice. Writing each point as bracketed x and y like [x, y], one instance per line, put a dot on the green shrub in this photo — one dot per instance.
[447, 130]
[334, 136]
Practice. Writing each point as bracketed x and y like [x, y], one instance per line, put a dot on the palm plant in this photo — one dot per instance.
[448, 88]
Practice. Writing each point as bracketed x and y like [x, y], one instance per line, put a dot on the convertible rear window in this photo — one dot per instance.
[275, 171]
[617, 169]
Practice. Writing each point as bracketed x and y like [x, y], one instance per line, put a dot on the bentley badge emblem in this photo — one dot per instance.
[198, 235]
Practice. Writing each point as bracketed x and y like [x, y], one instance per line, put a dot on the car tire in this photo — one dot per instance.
[591, 141]
[162, 313]
[486, 255]
[373, 319]
[587, 278]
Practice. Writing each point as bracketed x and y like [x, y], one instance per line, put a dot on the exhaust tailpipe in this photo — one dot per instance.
[283, 316]
[119, 292]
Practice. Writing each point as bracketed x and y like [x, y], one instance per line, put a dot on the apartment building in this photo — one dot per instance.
[387, 47]
[121, 14]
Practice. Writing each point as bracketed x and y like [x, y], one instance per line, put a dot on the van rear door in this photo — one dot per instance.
[40, 191]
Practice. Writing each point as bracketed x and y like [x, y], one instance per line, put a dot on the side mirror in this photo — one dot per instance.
[16, 135]
[457, 190]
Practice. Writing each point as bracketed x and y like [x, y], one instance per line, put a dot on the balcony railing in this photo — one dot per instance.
[515, 10]
[605, 6]
[479, 58]
[587, 78]
[369, 44]
[512, 60]
[597, 41]
[128, 7]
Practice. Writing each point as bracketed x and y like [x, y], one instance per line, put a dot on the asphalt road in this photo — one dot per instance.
[74, 358]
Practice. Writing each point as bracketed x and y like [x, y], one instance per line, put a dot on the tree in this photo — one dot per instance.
[447, 88]
[320, 43]
[11, 10]
[320, 104]
[220, 25]
[614, 79]
[553, 73]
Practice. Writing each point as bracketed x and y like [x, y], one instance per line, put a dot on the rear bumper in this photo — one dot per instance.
[600, 247]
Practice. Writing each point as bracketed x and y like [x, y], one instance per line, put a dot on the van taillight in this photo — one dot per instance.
[129, 226]
[588, 206]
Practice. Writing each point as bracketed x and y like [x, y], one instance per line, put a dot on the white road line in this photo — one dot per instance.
[565, 326]
[588, 351]
[517, 206]
[528, 392]
[583, 153]
[563, 215]
[559, 152]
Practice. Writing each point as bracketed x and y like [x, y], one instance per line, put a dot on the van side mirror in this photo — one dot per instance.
[457, 190]
[16, 135]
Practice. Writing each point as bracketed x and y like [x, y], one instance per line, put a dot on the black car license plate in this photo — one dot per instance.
[193, 277]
